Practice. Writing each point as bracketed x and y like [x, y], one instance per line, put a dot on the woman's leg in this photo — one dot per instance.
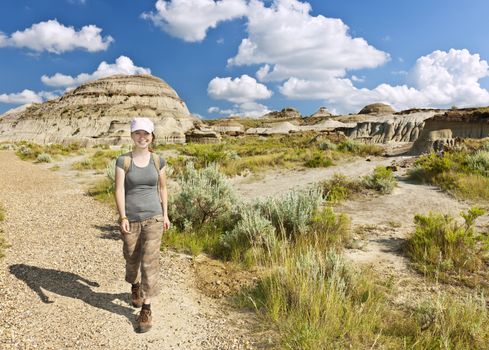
[132, 253]
[151, 232]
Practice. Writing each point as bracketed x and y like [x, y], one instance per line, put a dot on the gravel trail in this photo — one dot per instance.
[62, 280]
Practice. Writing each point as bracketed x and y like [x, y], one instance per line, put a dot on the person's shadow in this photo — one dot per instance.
[70, 285]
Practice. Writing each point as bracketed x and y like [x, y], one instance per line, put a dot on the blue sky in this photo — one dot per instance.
[247, 57]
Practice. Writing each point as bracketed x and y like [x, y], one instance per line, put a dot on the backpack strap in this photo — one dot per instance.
[156, 162]
[127, 161]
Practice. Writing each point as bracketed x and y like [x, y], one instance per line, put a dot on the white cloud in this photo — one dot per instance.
[253, 109]
[247, 109]
[54, 37]
[190, 19]
[440, 79]
[26, 96]
[122, 65]
[357, 79]
[239, 90]
[289, 42]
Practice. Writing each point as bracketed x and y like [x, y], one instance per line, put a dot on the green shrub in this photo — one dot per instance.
[441, 246]
[330, 231]
[349, 145]
[291, 213]
[204, 195]
[252, 230]
[317, 160]
[479, 162]
[340, 188]
[382, 180]
[44, 158]
[7, 146]
[327, 145]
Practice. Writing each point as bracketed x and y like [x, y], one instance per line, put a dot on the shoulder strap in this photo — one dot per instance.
[127, 161]
[156, 161]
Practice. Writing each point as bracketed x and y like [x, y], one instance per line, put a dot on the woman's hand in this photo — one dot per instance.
[166, 222]
[124, 226]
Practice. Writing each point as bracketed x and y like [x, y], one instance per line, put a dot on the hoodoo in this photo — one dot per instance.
[99, 111]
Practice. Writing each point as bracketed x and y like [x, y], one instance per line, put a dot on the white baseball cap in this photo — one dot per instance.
[142, 123]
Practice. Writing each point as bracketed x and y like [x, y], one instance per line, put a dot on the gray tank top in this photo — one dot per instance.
[141, 190]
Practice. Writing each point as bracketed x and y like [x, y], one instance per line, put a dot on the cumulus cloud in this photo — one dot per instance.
[122, 65]
[54, 37]
[190, 19]
[239, 90]
[26, 96]
[289, 42]
[247, 109]
[440, 79]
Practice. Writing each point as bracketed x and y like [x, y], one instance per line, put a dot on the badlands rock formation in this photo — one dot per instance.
[446, 127]
[377, 108]
[377, 124]
[99, 112]
[287, 113]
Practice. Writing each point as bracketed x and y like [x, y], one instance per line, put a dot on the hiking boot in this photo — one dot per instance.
[144, 320]
[136, 299]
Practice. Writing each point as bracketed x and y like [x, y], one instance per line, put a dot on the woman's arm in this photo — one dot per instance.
[164, 198]
[120, 199]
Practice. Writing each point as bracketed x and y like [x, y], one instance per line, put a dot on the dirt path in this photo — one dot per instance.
[275, 182]
[62, 281]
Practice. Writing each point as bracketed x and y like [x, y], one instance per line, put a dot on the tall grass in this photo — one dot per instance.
[317, 302]
[463, 173]
[440, 247]
[446, 322]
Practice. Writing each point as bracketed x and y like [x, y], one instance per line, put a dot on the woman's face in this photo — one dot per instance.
[141, 138]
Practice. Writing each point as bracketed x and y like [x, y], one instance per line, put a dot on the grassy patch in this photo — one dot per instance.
[445, 322]
[205, 239]
[257, 153]
[445, 249]
[463, 173]
[103, 191]
[98, 161]
[31, 151]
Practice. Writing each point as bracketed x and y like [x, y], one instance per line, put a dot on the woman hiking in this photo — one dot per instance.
[142, 202]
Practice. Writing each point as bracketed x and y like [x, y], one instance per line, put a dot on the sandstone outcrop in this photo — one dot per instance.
[377, 108]
[443, 129]
[99, 112]
[230, 127]
[321, 113]
[288, 113]
[387, 128]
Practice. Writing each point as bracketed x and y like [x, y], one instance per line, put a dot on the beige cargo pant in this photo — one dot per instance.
[142, 253]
